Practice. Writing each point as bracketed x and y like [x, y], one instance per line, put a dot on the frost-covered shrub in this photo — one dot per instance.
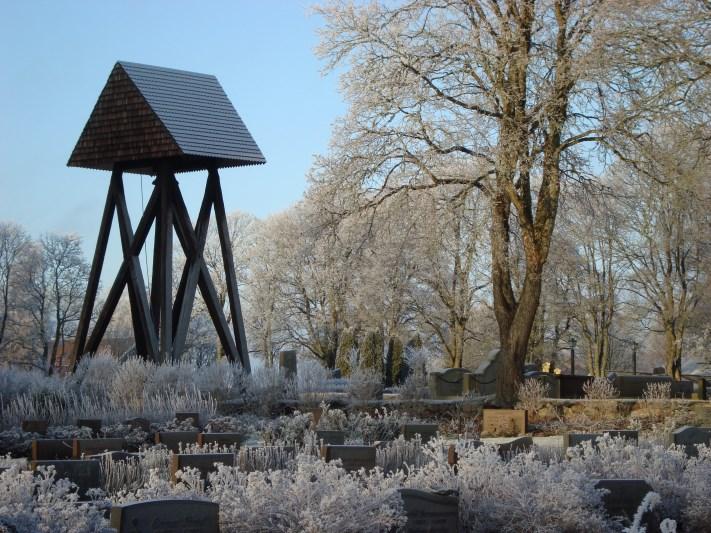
[94, 374]
[314, 496]
[383, 425]
[286, 430]
[523, 494]
[15, 382]
[130, 382]
[170, 378]
[657, 391]
[599, 388]
[219, 378]
[401, 454]
[132, 435]
[531, 393]
[32, 503]
[266, 387]
[365, 384]
[244, 424]
[311, 379]
[332, 419]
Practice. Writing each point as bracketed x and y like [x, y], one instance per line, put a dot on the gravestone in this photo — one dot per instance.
[331, 437]
[232, 440]
[287, 363]
[624, 496]
[182, 417]
[35, 426]
[514, 446]
[450, 384]
[86, 474]
[551, 381]
[115, 456]
[139, 423]
[50, 449]
[485, 374]
[504, 422]
[659, 371]
[634, 386]
[94, 424]
[430, 512]
[172, 439]
[95, 446]
[204, 462]
[166, 516]
[689, 437]
[426, 431]
[352, 457]
[576, 439]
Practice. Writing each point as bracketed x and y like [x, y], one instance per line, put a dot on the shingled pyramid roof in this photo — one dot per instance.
[149, 116]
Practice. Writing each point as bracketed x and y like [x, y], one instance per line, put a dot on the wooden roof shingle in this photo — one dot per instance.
[149, 116]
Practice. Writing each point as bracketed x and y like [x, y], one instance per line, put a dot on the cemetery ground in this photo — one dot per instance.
[133, 446]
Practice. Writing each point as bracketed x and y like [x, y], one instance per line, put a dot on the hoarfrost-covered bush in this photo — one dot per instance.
[311, 379]
[332, 419]
[365, 384]
[657, 391]
[37, 502]
[599, 388]
[94, 374]
[218, 378]
[523, 494]
[313, 497]
[172, 378]
[266, 387]
[130, 382]
[531, 393]
[401, 454]
[286, 430]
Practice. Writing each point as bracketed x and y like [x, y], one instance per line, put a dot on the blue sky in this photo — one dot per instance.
[55, 58]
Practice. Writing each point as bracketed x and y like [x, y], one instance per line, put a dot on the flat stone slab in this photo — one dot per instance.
[426, 431]
[576, 439]
[232, 440]
[504, 422]
[689, 437]
[204, 462]
[331, 437]
[166, 516]
[86, 474]
[95, 446]
[352, 457]
[430, 512]
[624, 496]
[172, 439]
[51, 449]
[35, 426]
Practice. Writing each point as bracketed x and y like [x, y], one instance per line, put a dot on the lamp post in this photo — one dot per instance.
[634, 358]
[573, 341]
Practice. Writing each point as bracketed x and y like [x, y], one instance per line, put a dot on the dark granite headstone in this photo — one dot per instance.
[139, 423]
[172, 439]
[659, 371]
[166, 516]
[430, 512]
[35, 426]
[232, 440]
[514, 447]
[426, 431]
[624, 496]
[689, 437]
[92, 423]
[51, 449]
[331, 437]
[352, 457]
[86, 474]
[575, 439]
[504, 422]
[287, 363]
[204, 462]
[95, 446]
[450, 384]
[181, 417]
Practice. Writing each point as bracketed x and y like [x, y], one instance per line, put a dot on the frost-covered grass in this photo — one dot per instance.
[529, 492]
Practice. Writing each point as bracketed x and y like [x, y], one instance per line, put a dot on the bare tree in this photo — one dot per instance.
[13, 243]
[501, 97]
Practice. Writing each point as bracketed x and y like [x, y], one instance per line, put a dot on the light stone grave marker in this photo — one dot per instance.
[166, 516]
[504, 422]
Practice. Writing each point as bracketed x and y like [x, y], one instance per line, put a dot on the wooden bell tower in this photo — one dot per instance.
[159, 121]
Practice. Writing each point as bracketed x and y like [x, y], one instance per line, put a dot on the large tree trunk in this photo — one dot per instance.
[673, 353]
